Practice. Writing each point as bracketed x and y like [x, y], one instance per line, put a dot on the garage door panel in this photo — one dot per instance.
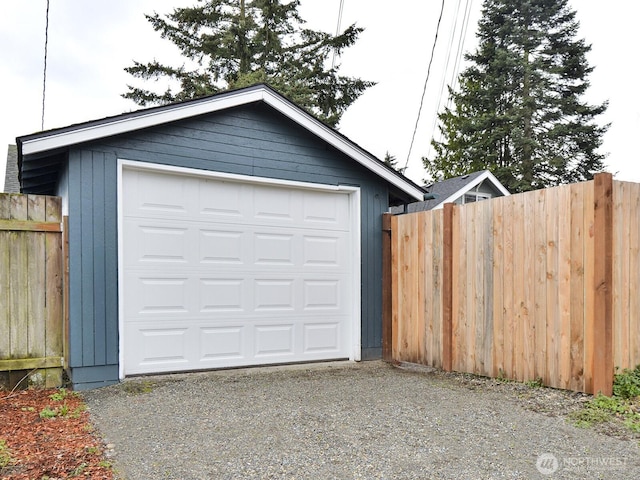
[274, 340]
[240, 274]
[219, 343]
[321, 338]
[156, 242]
[158, 194]
[274, 249]
[321, 294]
[162, 346]
[250, 293]
[274, 205]
[223, 201]
[326, 209]
[222, 246]
[274, 294]
[157, 295]
[324, 251]
[222, 295]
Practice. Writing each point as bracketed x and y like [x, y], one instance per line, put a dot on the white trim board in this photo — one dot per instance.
[157, 116]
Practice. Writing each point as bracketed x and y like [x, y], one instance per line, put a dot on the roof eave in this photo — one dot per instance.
[63, 138]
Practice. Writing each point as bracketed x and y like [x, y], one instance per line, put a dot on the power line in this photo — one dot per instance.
[44, 76]
[433, 48]
[443, 81]
[462, 35]
[333, 62]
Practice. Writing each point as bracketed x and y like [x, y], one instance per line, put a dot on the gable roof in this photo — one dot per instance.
[452, 188]
[11, 181]
[59, 139]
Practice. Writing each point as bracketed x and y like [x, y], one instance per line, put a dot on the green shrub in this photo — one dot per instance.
[627, 383]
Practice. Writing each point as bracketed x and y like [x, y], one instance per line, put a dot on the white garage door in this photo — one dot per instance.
[221, 273]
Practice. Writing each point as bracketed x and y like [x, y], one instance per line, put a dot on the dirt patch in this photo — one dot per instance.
[46, 434]
[536, 398]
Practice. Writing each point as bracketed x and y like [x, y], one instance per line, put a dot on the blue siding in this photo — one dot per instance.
[253, 140]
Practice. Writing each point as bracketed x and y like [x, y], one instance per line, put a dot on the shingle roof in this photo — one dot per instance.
[11, 181]
[444, 189]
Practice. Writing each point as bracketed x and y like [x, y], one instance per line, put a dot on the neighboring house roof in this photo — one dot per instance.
[453, 188]
[11, 180]
[58, 140]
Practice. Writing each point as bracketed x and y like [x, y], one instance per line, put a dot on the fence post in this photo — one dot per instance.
[387, 312]
[447, 288]
[602, 367]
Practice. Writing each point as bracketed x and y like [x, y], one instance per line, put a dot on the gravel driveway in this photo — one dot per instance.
[342, 421]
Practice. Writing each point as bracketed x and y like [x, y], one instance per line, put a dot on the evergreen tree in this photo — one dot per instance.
[236, 43]
[519, 110]
[392, 162]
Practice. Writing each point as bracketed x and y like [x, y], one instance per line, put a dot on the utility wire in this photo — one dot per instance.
[44, 76]
[443, 80]
[462, 35]
[338, 28]
[424, 90]
[461, 41]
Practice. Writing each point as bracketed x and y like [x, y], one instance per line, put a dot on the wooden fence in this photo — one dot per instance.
[31, 289]
[541, 285]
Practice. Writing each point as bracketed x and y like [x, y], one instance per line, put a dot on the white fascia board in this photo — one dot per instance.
[330, 136]
[217, 103]
[145, 120]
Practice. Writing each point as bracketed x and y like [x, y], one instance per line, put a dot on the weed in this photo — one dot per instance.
[138, 387]
[93, 450]
[28, 409]
[605, 409]
[78, 470]
[590, 415]
[104, 464]
[5, 456]
[627, 383]
[59, 396]
[633, 423]
[537, 383]
[47, 412]
[78, 411]
[502, 376]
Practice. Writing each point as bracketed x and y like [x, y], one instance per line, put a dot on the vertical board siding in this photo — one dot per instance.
[254, 141]
[31, 312]
[524, 286]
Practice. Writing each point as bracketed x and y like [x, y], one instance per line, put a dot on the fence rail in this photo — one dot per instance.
[541, 285]
[31, 289]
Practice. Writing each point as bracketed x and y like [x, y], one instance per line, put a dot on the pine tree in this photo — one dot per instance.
[519, 111]
[392, 162]
[236, 43]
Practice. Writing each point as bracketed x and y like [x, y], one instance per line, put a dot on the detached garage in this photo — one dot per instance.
[227, 231]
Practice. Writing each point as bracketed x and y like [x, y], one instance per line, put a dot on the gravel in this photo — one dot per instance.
[347, 421]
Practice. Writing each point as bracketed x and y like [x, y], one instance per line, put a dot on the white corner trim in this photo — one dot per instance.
[120, 214]
[121, 125]
[356, 256]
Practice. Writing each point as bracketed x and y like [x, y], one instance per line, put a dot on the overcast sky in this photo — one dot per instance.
[90, 43]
